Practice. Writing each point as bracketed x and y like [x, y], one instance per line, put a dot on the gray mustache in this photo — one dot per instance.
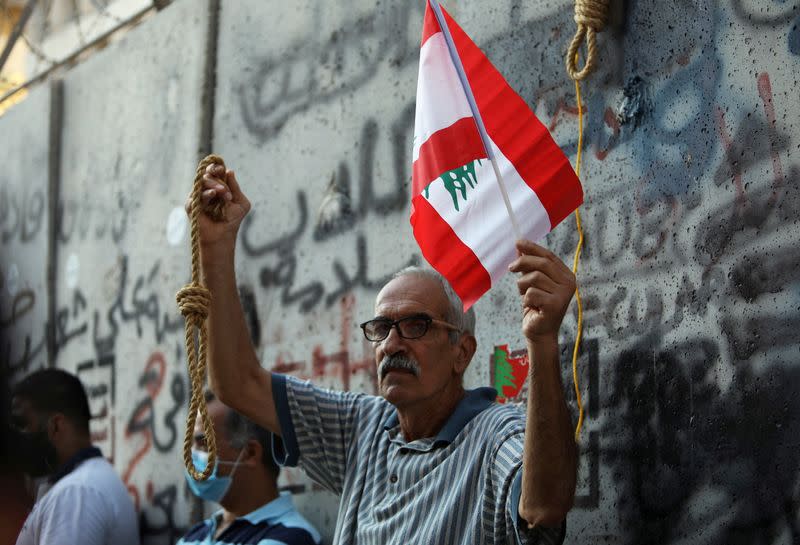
[397, 362]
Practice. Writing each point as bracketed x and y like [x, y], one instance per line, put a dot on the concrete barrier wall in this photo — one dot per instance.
[688, 276]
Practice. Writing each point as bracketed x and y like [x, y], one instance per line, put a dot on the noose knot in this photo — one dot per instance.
[591, 17]
[591, 13]
[193, 302]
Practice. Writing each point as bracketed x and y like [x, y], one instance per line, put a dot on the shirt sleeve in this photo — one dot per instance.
[506, 477]
[318, 428]
[74, 514]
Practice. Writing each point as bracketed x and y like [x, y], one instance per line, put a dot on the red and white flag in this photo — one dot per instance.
[458, 213]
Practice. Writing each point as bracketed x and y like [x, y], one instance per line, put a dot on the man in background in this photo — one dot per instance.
[244, 483]
[83, 499]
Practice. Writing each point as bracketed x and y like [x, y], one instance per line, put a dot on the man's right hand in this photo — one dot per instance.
[220, 185]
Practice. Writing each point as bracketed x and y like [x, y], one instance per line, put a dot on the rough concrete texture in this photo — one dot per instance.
[688, 275]
[132, 118]
[24, 227]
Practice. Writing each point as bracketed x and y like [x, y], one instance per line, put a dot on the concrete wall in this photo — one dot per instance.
[688, 276]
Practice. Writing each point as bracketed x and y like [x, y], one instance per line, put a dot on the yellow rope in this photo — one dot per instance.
[194, 300]
[591, 17]
[578, 248]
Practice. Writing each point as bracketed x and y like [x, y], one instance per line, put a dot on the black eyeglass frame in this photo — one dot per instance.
[396, 324]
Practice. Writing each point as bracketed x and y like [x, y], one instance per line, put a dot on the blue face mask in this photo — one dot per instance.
[214, 488]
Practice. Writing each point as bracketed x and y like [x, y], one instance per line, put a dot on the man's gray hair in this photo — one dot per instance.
[455, 315]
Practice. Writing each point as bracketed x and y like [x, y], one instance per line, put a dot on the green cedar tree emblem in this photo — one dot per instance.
[457, 181]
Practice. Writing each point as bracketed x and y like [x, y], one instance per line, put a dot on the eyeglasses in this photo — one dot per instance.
[410, 327]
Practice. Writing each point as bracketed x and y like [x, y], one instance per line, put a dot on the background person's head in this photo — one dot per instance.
[414, 369]
[244, 453]
[50, 411]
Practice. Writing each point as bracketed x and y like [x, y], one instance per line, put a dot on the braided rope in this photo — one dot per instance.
[194, 300]
[591, 17]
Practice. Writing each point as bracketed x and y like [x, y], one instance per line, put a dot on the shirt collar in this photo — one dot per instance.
[473, 403]
[273, 511]
[80, 456]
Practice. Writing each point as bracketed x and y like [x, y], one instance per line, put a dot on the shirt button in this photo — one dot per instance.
[393, 479]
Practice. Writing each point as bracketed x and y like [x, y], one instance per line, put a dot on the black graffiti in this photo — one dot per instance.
[100, 380]
[102, 388]
[675, 437]
[158, 520]
[65, 328]
[33, 352]
[338, 215]
[22, 303]
[248, 299]
[22, 212]
[394, 201]
[84, 218]
[756, 15]
[763, 212]
[31, 358]
[299, 75]
[144, 417]
[282, 276]
[147, 306]
[360, 278]
[140, 306]
[588, 495]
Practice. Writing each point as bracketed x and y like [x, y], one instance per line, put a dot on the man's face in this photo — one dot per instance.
[439, 361]
[25, 418]
[225, 452]
[35, 450]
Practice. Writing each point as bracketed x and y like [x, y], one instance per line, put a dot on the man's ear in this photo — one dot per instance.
[466, 349]
[252, 452]
[55, 425]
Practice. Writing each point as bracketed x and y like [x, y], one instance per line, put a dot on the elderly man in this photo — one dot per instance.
[427, 462]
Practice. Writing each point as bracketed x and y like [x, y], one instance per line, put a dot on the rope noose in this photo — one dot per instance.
[591, 17]
[194, 300]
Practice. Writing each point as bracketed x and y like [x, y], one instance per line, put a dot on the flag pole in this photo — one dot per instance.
[487, 146]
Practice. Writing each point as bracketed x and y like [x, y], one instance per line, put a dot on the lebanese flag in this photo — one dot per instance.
[458, 214]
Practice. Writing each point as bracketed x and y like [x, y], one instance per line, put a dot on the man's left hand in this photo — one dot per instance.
[546, 285]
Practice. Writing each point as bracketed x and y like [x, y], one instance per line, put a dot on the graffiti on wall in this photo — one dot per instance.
[690, 294]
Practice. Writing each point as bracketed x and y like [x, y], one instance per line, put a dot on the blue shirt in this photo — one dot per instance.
[275, 523]
[460, 487]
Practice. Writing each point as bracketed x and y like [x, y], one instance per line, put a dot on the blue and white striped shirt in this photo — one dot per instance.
[274, 523]
[460, 487]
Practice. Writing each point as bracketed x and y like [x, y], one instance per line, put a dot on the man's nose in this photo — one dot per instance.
[393, 343]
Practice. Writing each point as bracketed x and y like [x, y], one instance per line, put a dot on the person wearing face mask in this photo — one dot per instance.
[244, 483]
[82, 499]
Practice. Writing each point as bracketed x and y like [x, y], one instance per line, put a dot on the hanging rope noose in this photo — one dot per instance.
[591, 17]
[193, 302]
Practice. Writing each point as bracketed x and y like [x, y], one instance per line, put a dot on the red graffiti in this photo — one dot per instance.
[340, 364]
[612, 123]
[563, 107]
[725, 136]
[153, 379]
[765, 92]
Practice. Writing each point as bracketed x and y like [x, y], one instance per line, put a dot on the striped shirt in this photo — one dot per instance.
[460, 487]
[274, 523]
